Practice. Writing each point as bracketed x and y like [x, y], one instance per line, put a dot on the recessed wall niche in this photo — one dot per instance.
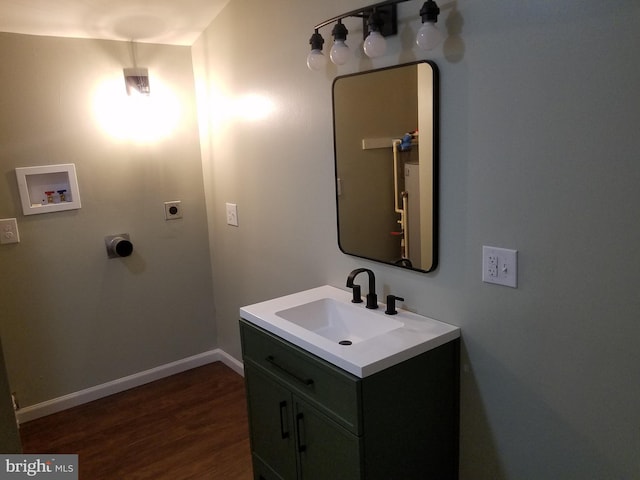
[48, 188]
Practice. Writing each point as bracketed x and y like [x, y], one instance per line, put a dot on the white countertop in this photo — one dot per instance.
[418, 335]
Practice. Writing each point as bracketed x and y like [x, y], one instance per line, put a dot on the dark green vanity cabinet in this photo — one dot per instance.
[311, 420]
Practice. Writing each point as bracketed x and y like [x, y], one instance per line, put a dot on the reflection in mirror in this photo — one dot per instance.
[386, 153]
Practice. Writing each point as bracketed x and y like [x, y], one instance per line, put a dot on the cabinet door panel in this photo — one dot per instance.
[330, 389]
[326, 450]
[270, 414]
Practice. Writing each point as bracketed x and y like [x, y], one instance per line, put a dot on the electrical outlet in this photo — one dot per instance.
[492, 267]
[500, 266]
[172, 210]
[9, 231]
[232, 214]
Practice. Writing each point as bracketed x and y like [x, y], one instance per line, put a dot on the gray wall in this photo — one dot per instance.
[539, 153]
[72, 318]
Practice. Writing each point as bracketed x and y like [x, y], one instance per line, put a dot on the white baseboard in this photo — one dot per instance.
[116, 386]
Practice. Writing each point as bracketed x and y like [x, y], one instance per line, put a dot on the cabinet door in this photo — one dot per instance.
[271, 416]
[326, 450]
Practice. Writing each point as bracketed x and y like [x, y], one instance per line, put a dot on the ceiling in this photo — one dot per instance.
[173, 22]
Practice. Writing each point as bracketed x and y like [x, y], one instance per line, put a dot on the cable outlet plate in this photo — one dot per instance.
[9, 231]
[500, 266]
[172, 210]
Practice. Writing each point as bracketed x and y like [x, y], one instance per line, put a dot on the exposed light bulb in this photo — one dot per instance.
[375, 44]
[429, 36]
[340, 53]
[316, 60]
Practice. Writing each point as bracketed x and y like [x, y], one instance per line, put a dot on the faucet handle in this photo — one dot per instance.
[391, 304]
[357, 294]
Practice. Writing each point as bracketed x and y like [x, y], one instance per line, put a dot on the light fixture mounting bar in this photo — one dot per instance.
[363, 12]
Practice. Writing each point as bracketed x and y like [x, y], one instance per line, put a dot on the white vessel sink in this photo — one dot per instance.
[323, 321]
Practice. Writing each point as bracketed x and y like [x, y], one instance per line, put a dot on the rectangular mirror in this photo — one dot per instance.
[386, 155]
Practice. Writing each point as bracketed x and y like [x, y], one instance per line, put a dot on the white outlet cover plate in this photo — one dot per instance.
[170, 208]
[506, 272]
[9, 231]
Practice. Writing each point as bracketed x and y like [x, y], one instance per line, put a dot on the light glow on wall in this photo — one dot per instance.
[136, 118]
[253, 107]
[249, 107]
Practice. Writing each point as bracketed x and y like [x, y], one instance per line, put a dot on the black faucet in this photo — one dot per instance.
[372, 298]
[391, 304]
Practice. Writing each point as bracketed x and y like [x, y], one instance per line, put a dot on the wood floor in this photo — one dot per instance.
[188, 426]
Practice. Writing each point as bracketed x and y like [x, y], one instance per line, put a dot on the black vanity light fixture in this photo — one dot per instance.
[379, 20]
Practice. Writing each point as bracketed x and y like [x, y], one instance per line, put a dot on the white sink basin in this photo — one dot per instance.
[338, 321]
[324, 322]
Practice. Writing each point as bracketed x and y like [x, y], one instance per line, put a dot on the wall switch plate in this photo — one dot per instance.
[9, 231]
[500, 266]
[172, 210]
[232, 214]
